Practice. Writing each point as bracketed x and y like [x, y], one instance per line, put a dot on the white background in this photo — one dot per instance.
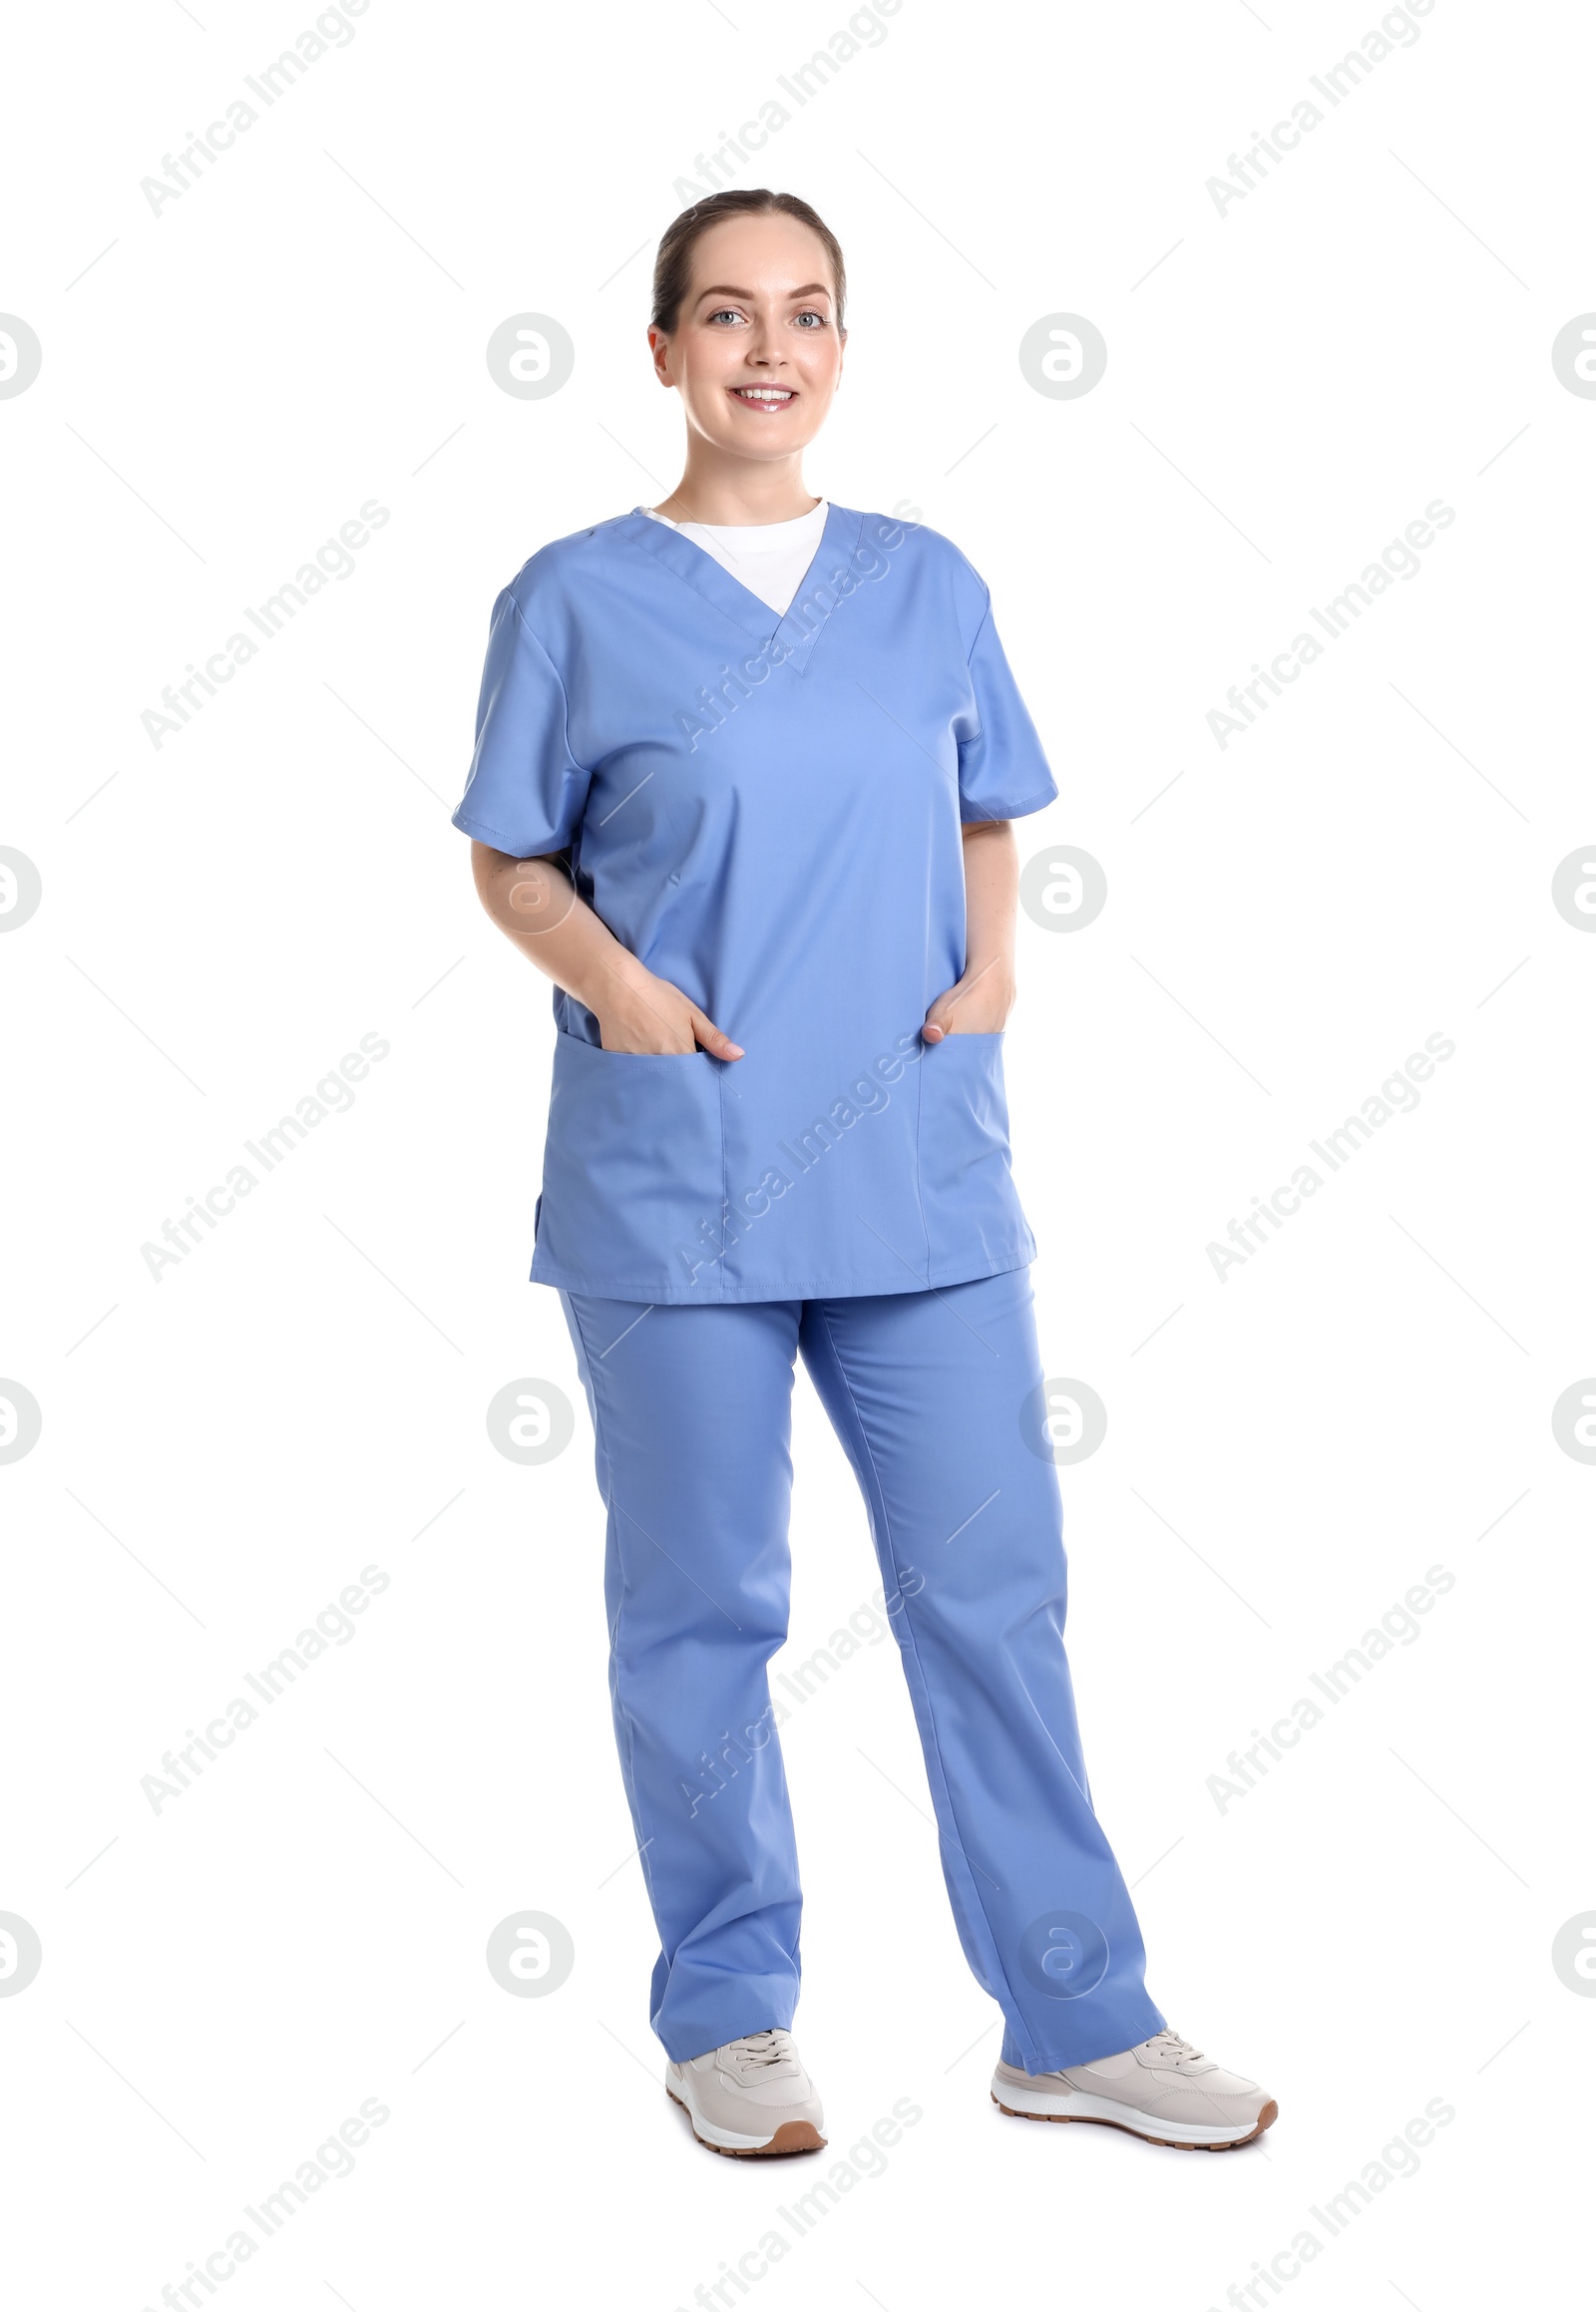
[1288, 1450]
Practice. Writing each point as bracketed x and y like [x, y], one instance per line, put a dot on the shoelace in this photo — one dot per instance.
[760, 2049]
[1181, 2049]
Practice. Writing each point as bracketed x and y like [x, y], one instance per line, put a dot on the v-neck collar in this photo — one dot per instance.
[799, 630]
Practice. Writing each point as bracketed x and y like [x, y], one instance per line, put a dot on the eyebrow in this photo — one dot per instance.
[723, 289]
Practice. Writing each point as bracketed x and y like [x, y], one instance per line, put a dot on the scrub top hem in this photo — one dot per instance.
[806, 1288]
[494, 837]
[1020, 810]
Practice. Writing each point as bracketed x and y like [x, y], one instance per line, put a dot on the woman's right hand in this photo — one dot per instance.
[644, 1014]
[534, 904]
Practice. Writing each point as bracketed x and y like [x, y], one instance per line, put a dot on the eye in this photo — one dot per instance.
[810, 314]
[726, 313]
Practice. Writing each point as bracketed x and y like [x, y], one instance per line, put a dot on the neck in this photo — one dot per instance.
[736, 493]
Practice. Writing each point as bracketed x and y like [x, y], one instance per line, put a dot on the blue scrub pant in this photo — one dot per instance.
[928, 1392]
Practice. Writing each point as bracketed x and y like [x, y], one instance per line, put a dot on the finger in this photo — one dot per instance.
[939, 1017]
[711, 1037]
[945, 1004]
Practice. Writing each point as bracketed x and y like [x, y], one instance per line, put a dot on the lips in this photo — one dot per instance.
[766, 398]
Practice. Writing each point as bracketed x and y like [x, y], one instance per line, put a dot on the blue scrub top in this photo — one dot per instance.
[766, 812]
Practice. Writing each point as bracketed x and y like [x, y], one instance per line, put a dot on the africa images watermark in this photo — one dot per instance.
[1400, 560]
[1248, 172]
[334, 1626]
[1397, 1095]
[183, 170]
[817, 600]
[867, 1095]
[1398, 2159]
[1398, 1626]
[865, 1627]
[333, 2159]
[332, 1096]
[865, 2159]
[334, 560]
[863, 29]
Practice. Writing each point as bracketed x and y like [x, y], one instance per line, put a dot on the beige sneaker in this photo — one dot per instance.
[1162, 2091]
[751, 2097]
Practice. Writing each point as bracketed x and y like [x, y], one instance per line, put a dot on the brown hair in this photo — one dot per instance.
[674, 262]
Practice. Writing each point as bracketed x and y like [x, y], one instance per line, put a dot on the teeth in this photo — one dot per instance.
[763, 393]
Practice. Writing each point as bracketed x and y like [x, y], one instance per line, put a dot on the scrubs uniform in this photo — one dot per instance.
[766, 811]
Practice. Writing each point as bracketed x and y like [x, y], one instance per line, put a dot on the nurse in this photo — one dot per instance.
[744, 772]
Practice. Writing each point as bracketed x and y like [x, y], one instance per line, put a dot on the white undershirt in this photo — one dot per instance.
[771, 558]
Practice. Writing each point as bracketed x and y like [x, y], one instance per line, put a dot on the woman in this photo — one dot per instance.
[744, 769]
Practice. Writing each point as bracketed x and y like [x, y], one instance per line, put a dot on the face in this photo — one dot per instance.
[756, 353]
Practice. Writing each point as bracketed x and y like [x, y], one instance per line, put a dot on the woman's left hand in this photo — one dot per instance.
[977, 1004]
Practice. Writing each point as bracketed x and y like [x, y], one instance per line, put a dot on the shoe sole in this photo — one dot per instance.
[792, 2136]
[1266, 2119]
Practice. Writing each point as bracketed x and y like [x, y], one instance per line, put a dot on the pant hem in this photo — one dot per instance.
[1085, 2045]
[741, 2029]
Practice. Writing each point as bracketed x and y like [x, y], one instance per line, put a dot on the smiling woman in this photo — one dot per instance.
[757, 364]
[778, 1128]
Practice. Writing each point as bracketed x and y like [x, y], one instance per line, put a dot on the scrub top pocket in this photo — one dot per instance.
[965, 1185]
[634, 1163]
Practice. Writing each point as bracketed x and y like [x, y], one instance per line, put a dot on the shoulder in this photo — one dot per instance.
[560, 573]
[901, 538]
[942, 553]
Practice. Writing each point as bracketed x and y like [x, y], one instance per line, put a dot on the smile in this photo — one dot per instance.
[766, 397]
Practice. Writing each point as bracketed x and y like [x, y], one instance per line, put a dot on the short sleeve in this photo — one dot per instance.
[1002, 772]
[526, 791]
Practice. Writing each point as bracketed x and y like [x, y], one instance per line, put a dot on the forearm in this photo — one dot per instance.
[537, 906]
[991, 897]
[980, 1001]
